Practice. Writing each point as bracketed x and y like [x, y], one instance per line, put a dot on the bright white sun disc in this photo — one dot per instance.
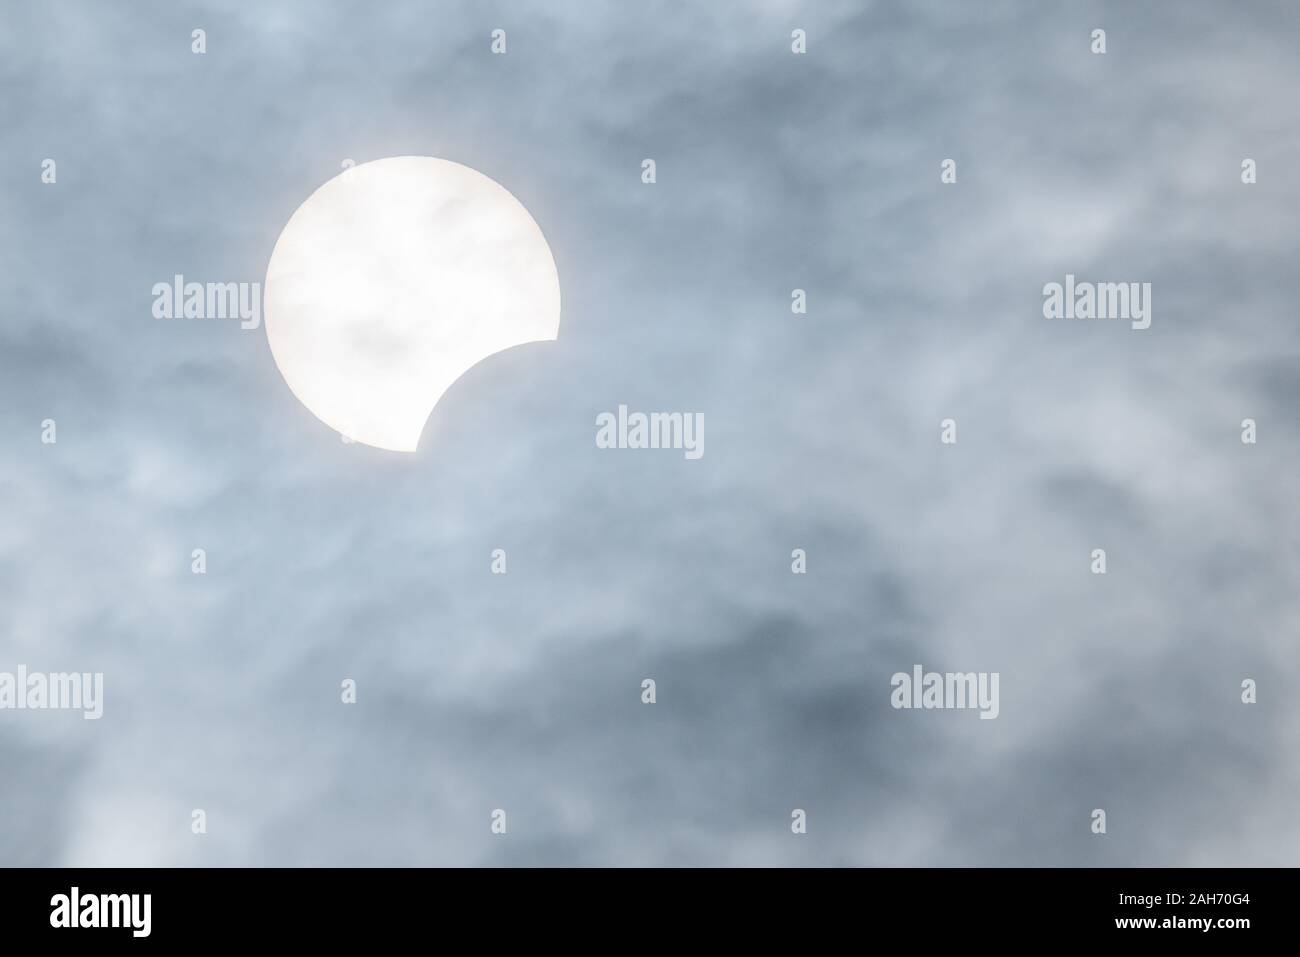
[392, 280]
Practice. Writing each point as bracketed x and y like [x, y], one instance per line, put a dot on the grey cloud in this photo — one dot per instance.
[477, 691]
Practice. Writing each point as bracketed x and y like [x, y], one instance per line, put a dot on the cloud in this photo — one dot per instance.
[522, 691]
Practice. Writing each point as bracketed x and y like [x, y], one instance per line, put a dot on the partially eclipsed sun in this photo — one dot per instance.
[392, 280]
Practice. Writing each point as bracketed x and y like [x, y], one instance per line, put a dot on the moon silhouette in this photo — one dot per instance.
[393, 279]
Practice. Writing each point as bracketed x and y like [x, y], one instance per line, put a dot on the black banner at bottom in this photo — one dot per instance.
[140, 907]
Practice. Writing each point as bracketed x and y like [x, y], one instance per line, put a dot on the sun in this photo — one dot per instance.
[393, 279]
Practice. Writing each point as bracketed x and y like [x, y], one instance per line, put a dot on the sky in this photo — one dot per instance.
[522, 692]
